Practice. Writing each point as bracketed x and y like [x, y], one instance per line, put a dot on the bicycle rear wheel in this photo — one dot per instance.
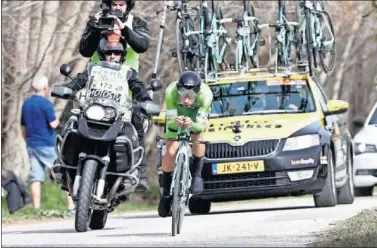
[309, 46]
[301, 52]
[176, 195]
[328, 51]
[222, 38]
[249, 8]
[186, 54]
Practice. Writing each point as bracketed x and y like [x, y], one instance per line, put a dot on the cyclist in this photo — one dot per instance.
[188, 103]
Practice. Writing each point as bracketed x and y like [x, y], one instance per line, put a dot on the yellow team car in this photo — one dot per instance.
[274, 136]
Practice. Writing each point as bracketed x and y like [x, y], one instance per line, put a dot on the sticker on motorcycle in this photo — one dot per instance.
[105, 94]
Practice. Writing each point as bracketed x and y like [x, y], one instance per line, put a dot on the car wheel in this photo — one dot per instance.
[198, 206]
[327, 198]
[364, 191]
[346, 193]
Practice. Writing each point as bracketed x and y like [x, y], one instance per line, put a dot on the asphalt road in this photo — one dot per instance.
[286, 222]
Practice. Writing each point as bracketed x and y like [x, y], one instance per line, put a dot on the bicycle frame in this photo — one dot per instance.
[177, 5]
[243, 37]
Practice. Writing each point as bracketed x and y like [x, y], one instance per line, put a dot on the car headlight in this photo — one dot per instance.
[301, 142]
[95, 112]
[363, 148]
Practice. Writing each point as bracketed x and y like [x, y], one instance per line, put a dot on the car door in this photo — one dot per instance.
[336, 126]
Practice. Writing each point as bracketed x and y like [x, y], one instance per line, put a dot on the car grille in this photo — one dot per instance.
[250, 149]
[246, 180]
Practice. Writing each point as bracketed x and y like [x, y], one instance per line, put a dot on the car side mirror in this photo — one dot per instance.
[335, 107]
[156, 85]
[358, 121]
[65, 70]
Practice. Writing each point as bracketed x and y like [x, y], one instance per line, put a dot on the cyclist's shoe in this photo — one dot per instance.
[164, 206]
[196, 185]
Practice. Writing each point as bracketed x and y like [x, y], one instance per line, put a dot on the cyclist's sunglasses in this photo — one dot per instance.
[187, 93]
[116, 53]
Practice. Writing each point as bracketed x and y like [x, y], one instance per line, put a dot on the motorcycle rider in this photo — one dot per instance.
[111, 49]
[188, 104]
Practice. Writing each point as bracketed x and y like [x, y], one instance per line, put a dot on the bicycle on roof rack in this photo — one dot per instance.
[316, 34]
[187, 48]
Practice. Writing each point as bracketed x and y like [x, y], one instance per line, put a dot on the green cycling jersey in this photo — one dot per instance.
[198, 113]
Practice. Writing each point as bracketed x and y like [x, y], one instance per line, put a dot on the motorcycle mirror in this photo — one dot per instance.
[156, 85]
[65, 70]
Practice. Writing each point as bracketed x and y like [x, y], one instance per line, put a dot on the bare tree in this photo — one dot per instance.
[37, 37]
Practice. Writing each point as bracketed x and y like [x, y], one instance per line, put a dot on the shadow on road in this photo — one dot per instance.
[230, 211]
[137, 235]
[65, 230]
[258, 210]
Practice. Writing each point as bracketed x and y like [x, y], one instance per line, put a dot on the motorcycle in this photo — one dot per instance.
[98, 148]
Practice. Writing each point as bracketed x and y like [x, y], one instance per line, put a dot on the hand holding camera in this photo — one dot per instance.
[109, 20]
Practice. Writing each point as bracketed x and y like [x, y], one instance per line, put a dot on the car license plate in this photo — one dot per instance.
[238, 167]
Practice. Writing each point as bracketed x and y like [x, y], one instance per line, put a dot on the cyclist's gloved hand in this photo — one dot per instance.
[188, 122]
[180, 121]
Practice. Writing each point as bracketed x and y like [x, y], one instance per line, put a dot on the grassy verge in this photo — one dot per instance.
[54, 205]
[358, 231]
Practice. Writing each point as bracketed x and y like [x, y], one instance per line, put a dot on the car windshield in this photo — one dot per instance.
[261, 97]
[373, 120]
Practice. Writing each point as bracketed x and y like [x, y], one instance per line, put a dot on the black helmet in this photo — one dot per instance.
[106, 45]
[130, 4]
[189, 80]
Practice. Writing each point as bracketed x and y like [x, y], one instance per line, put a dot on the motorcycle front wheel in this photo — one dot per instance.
[84, 202]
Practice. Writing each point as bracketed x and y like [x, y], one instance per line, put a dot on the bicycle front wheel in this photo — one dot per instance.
[176, 208]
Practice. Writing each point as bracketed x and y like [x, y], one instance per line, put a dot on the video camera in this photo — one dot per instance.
[107, 21]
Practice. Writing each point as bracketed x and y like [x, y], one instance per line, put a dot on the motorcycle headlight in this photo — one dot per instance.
[301, 142]
[95, 112]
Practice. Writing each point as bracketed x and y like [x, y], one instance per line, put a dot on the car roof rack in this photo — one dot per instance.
[256, 73]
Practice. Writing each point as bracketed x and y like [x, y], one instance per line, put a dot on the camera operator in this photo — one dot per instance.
[134, 30]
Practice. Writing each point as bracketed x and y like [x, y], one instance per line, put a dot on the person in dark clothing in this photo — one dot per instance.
[136, 40]
[112, 51]
[133, 29]
[17, 197]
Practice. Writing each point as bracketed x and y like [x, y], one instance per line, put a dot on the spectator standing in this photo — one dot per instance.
[38, 123]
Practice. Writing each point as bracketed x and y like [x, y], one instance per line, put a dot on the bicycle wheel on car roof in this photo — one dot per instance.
[254, 35]
[327, 54]
[221, 41]
[301, 49]
[309, 46]
[185, 45]
[176, 194]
